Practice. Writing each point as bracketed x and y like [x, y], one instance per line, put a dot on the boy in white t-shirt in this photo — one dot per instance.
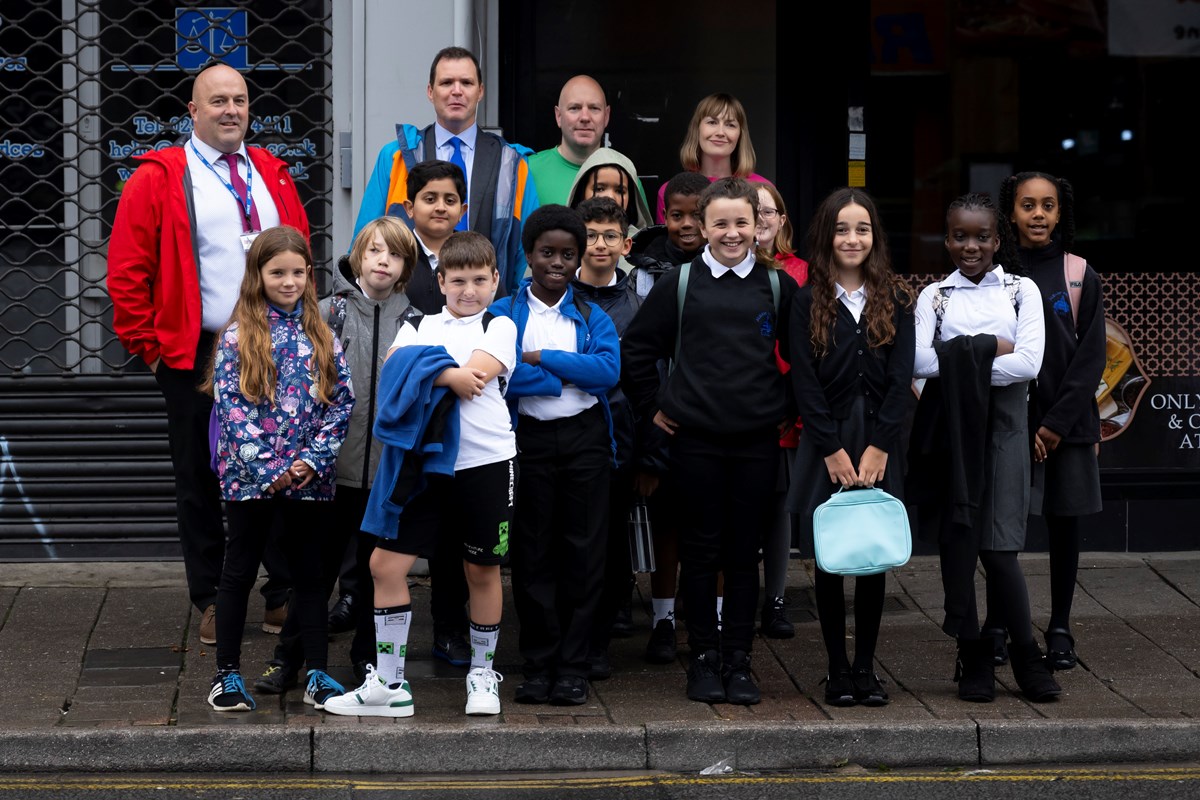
[475, 505]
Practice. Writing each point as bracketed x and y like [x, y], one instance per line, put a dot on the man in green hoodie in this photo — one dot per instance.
[582, 115]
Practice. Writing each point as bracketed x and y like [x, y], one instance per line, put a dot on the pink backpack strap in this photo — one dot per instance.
[1073, 269]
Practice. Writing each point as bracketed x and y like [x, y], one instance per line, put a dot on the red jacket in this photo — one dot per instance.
[153, 275]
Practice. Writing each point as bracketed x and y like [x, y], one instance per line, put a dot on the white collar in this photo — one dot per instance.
[612, 281]
[718, 269]
[993, 277]
[442, 136]
[432, 256]
[213, 154]
[540, 307]
[450, 319]
[858, 294]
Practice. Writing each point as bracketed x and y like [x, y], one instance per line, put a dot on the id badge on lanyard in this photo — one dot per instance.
[247, 239]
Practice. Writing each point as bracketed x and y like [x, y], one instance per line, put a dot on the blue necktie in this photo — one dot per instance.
[456, 158]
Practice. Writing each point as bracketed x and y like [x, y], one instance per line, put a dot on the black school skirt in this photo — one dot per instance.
[1067, 484]
[810, 479]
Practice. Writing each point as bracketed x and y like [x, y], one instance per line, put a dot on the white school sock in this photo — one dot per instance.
[720, 605]
[663, 608]
[483, 645]
[391, 642]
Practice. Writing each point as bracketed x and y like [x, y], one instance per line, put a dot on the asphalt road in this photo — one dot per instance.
[1147, 782]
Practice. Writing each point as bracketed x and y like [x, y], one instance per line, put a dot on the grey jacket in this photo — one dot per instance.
[367, 332]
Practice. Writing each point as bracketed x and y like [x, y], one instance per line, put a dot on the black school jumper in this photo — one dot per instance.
[728, 396]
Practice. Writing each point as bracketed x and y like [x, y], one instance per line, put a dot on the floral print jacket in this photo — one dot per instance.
[258, 443]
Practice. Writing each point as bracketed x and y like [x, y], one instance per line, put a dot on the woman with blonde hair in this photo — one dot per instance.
[717, 144]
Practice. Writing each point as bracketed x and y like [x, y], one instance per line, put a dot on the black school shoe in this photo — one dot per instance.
[740, 688]
[1060, 649]
[599, 667]
[569, 690]
[775, 624]
[534, 690]
[868, 689]
[839, 688]
[704, 683]
[452, 647]
[622, 624]
[661, 648]
[343, 615]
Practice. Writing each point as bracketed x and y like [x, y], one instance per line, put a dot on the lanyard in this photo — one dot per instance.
[249, 200]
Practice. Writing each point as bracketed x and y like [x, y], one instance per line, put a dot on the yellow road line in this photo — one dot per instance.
[400, 783]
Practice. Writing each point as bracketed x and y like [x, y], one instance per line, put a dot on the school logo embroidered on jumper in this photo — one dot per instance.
[766, 324]
[1061, 304]
[502, 548]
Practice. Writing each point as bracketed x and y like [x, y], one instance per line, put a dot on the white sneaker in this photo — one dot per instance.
[483, 691]
[373, 699]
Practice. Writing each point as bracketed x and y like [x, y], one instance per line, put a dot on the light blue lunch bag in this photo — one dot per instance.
[861, 532]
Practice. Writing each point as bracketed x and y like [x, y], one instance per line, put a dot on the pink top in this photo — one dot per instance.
[660, 209]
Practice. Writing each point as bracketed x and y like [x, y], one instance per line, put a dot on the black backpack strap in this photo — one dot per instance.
[585, 308]
[487, 317]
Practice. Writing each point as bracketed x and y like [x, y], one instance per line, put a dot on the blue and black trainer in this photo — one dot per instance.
[228, 693]
[320, 688]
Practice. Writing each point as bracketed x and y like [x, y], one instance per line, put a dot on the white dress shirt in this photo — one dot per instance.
[219, 228]
[855, 301]
[984, 308]
[548, 329]
[429, 254]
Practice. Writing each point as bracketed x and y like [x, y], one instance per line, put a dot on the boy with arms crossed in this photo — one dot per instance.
[569, 361]
[475, 505]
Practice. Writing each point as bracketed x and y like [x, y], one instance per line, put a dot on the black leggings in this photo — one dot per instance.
[868, 611]
[304, 524]
[1008, 596]
[1064, 569]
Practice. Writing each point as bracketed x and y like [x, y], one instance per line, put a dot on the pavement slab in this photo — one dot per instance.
[121, 683]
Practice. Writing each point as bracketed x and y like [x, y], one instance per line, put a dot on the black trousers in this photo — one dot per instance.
[349, 505]
[618, 569]
[197, 492]
[304, 525]
[559, 530]
[725, 486]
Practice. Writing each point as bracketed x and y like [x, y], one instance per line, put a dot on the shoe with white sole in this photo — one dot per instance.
[373, 699]
[483, 691]
[321, 688]
[228, 693]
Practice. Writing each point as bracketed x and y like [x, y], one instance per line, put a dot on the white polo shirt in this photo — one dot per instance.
[485, 430]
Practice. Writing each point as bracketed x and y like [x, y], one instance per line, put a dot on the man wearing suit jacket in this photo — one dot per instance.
[500, 193]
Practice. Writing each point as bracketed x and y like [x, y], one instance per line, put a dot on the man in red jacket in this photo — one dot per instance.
[176, 258]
